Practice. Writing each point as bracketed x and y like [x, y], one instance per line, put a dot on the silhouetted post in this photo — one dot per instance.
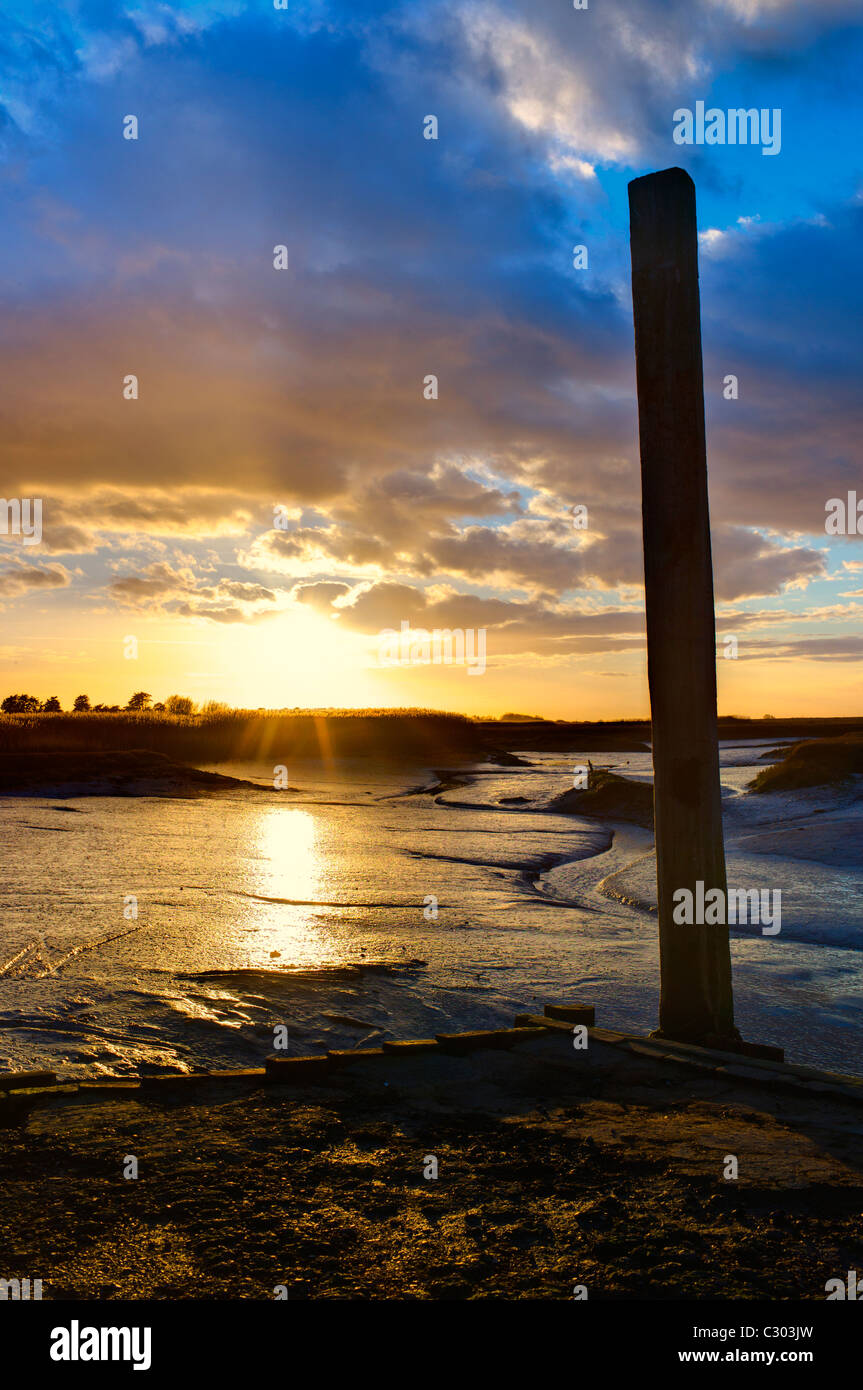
[696, 999]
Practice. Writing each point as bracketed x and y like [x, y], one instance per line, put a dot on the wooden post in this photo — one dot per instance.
[695, 962]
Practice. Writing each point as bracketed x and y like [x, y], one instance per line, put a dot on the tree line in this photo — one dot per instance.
[139, 702]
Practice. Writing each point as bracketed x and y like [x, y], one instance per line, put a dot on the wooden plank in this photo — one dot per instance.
[572, 1013]
[297, 1070]
[18, 1080]
[340, 1057]
[494, 1037]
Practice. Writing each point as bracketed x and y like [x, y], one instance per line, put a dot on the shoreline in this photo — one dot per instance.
[135, 772]
[556, 1168]
[140, 998]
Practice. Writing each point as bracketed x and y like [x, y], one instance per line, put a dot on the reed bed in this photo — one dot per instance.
[246, 735]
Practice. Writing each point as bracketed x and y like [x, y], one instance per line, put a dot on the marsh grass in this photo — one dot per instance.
[814, 763]
[247, 735]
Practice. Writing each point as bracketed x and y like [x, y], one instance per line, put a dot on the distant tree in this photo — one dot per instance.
[140, 700]
[215, 707]
[52, 706]
[113, 709]
[81, 704]
[99, 709]
[180, 704]
[20, 704]
[159, 708]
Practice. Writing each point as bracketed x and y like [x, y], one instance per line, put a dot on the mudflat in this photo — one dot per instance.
[604, 1169]
[136, 772]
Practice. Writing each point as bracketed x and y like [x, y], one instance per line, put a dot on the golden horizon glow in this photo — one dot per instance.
[301, 659]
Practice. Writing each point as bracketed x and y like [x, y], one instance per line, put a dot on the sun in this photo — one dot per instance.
[299, 659]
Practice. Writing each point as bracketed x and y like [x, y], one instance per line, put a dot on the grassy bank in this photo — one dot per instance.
[430, 737]
[609, 797]
[815, 763]
[633, 735]
[248, 735]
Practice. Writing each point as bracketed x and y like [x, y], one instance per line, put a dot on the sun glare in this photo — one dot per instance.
[299, 659]
[289, 872]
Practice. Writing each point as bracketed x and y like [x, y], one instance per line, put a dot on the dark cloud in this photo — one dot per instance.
[320, 596]
[158, 582]
[847, 648]
[23, 579]
[517, 626]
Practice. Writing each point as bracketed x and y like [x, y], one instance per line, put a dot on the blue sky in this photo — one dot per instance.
[303, 388]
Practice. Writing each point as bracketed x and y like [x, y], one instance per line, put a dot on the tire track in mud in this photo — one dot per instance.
[18, 967]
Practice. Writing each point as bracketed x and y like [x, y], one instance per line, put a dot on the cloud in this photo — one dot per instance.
[749, 564]
[539, 554]
[546, 89]
[517, 627]
[799, 12]
[161, 587]
[64, 538]
[21, 579]
[839, 648]
[320, 596]
[221, 613]
[304, 389]
[790, 442]
[309, 384]
[158, 582]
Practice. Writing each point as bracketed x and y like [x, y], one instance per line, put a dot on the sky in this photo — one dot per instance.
[287, 485]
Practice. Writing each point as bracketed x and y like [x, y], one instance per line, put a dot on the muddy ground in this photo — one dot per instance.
[555, 1169]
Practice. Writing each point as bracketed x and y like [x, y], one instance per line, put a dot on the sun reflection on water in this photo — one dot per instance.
[290, 869]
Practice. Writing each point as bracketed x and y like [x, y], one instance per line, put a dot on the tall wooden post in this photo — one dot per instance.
[696, 998]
